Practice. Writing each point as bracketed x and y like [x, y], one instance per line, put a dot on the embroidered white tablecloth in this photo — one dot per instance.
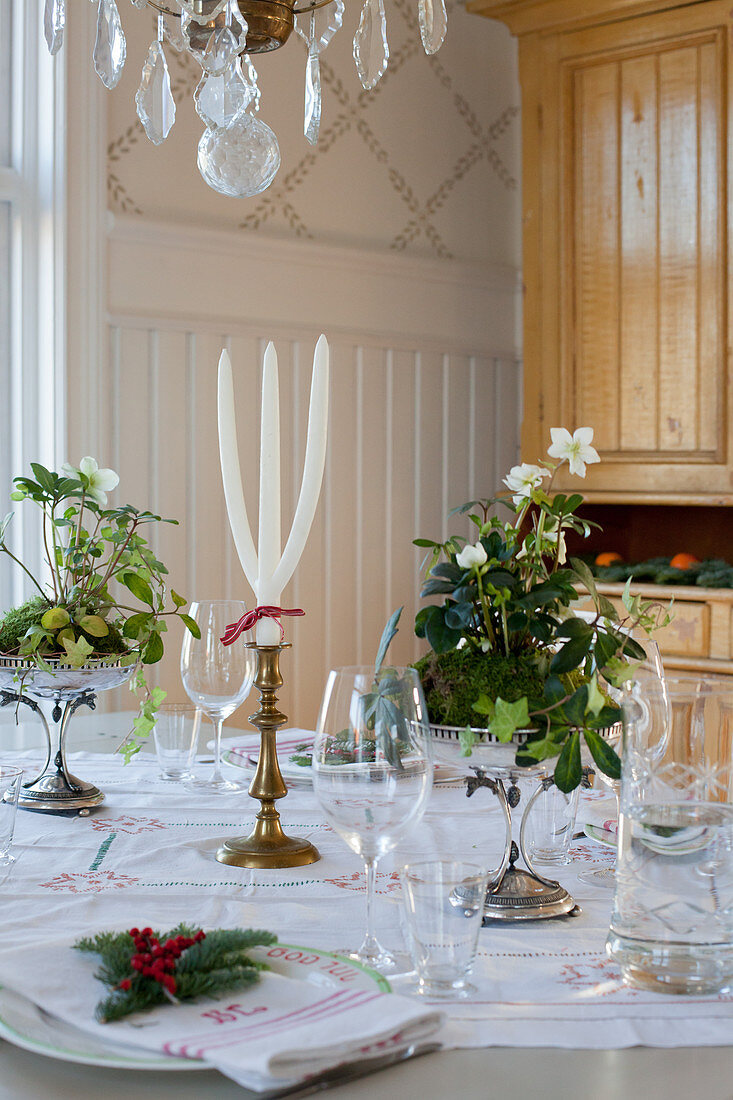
[146, 857]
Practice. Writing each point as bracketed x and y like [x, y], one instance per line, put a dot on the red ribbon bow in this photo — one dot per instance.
[249, 619]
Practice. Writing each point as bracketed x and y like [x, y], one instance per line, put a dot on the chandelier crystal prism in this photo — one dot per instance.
[238, 154]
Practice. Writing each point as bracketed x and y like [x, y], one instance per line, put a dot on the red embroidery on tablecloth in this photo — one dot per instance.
[126, 824]
[601, 975]
[386, 883]
[593, 853]
[89, 882]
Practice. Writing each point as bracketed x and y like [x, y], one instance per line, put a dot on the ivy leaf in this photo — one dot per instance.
[585, 577]
[605, 757]
[467, 739]
[140, 589]
[387, 635]
[484, 705]
[569, 770]
[136, 624]
[532, 752]
[574, 709]
[77, 652]
[179, 601]
[509, 717]
[596, 701]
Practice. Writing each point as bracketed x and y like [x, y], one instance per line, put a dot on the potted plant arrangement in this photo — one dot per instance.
[509, 660]
[97, 620]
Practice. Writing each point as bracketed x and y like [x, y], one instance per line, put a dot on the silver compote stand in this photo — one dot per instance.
[55, 790]
[513, 893]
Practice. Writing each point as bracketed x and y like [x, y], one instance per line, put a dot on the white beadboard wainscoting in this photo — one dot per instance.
[418, 423]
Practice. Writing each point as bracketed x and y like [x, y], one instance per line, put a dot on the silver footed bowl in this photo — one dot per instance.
[63, 681]
[495, 755]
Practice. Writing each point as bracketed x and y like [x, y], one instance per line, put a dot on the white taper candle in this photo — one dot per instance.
[232, 474]
[269, 545]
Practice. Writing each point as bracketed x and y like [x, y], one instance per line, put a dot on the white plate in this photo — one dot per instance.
[246, 755]
[603, 836]
[26, 1025]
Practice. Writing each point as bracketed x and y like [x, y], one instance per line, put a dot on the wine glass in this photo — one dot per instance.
[372, 770]
[648, 683]
[217, 678]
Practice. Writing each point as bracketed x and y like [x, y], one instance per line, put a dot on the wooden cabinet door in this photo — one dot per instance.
[626, 250]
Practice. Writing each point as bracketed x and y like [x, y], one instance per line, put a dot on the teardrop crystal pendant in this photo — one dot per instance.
[240, 160]
[312, 120]
[371, 51]
[110, 48]
[156, 107]
[322, 24]
[433, 24]
[250, 76]
[54, 20]
[221, 50]
[220, 99]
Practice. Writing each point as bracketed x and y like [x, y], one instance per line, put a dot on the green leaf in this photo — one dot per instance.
[532, 752]
[607, 609]
[569, 770]
[55, 618]
[509, 717]
[596, 701]
[77, 652]
[94, 625]
[484, 705]
[43, 477]
[179, 601]
[140, 589]
[136, 624]
[191, 625]
[570, 656]
[467, 739]
[153, 650]
[440, 636]
[4, 525]
[585, 576]
[605, 757]
[574, 709]
[387, 635]
[554, 689]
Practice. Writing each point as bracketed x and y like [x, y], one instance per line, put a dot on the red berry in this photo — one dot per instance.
[134, 932]
[125, 984]
[169, 983]
[147, 931]
[136, 962]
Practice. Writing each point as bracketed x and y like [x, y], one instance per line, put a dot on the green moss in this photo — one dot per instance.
[15, 623]
[453, 681]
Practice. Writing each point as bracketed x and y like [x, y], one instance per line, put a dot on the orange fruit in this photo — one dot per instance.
[684, 560]
[608, 557]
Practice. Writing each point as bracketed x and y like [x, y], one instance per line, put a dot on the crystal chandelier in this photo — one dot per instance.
[238, 153]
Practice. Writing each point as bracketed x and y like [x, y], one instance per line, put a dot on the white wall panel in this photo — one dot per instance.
[418, 424]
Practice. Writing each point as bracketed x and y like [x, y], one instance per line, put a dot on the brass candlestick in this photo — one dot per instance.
[267, 845]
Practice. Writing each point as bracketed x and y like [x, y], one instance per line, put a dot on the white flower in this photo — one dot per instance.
[471, 556]
[551, 539]
[576, 448]
[521, 480]
[99, 482]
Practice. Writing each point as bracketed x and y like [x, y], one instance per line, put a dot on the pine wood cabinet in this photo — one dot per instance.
[626, 145]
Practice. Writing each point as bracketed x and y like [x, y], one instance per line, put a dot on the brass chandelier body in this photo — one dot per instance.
[270, 22]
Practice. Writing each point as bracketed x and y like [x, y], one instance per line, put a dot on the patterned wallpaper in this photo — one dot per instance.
[427, 164]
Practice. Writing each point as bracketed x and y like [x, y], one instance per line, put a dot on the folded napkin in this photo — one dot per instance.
[276, 1033]
[600, 813]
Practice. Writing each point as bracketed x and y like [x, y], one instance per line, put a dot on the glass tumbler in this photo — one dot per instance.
[672, 923]
[10, 782]
[443, 906]
[176, 735]
[548, 823]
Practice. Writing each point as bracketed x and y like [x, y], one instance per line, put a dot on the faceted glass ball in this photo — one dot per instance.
[239, 160]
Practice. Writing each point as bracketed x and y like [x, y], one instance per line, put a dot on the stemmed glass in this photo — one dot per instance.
[648, 680]
[217, 678]
[372, 770]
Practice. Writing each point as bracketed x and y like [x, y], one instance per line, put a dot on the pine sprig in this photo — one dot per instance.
[196, 965]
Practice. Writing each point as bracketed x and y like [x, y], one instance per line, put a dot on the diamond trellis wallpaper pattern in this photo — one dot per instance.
[426, 165]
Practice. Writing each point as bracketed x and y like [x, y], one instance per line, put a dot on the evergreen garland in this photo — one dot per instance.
[147, 968]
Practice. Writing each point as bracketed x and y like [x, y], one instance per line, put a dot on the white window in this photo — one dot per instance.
[31, 265]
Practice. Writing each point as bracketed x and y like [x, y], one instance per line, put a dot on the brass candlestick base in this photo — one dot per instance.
[267, 845]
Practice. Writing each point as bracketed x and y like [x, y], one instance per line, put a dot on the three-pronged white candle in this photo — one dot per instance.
[267, 569]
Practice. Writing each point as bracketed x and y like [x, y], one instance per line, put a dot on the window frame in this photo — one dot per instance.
[34, 185]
